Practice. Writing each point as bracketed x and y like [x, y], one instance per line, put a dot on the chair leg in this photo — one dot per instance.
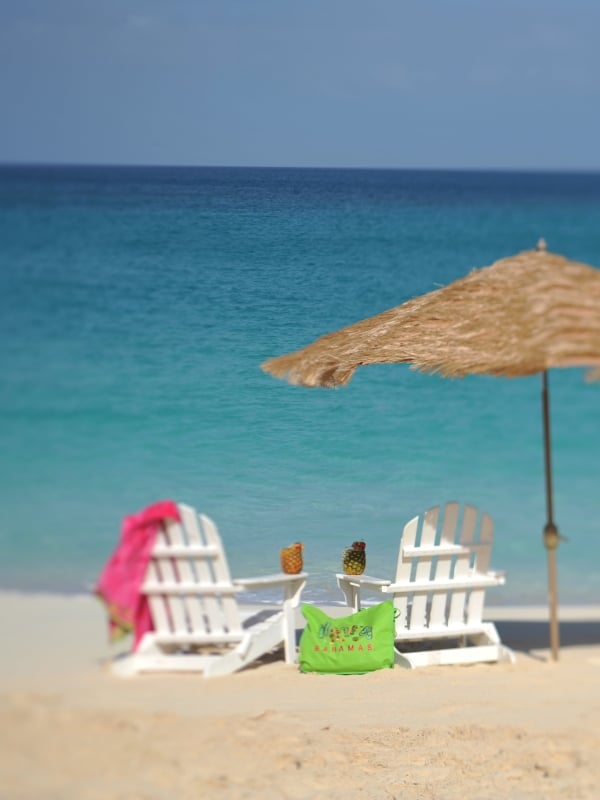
[351, 593]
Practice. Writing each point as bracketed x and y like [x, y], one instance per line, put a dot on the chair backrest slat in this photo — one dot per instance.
[422, 569]
[462, 565]
[157, 603]
[438, 613]
[403, 572]
[481, 566]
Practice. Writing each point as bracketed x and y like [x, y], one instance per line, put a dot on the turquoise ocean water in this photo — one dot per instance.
[136, 305]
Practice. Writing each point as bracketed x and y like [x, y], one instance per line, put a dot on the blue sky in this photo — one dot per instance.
[358, 83]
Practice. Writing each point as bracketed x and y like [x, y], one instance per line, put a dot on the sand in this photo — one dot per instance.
[71, 731]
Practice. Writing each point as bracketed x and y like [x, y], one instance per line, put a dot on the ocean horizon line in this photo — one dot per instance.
[461, 170]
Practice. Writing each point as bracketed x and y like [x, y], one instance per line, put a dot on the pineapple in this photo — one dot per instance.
[291, 558]
[354, 559]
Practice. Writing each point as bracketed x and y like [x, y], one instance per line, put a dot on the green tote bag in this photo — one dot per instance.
[359, 643]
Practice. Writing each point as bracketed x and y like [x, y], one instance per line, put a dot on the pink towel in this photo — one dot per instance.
[119, 584]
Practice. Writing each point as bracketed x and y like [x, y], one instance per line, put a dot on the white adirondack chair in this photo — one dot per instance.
[199, 626]
[441, 578]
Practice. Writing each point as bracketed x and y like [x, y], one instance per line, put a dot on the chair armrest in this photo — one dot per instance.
[268, 581]
[292, 585]
[498, 575]
[362, 580]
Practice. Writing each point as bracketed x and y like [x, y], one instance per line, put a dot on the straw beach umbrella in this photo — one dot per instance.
[520, 316]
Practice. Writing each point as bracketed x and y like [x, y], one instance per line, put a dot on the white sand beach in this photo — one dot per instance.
[71, 731]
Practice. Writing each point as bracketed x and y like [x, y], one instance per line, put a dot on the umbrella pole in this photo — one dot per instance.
[551, 535]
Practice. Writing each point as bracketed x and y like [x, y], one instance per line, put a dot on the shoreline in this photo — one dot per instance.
[494, 612]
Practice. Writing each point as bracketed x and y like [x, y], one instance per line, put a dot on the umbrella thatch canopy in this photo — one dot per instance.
[522, 315]
[519, 316]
